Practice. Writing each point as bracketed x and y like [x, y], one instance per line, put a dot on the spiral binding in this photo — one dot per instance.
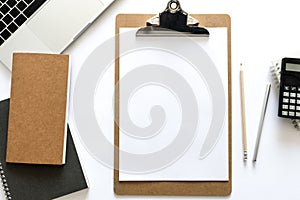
[4, 183]
[276, 73]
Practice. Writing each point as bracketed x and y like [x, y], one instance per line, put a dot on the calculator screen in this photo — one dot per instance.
[292, 67]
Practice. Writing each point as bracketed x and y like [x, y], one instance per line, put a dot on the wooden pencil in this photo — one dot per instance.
[243, 112]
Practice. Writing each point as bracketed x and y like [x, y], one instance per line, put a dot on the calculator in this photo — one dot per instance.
[289, 92]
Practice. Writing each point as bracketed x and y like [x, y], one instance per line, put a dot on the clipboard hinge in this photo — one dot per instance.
[173, 21]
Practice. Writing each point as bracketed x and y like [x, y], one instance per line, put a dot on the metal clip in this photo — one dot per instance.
[173, 21]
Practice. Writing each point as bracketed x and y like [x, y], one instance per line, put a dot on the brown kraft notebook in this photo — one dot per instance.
[37, 126]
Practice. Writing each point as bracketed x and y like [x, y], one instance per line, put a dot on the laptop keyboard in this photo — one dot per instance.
[13, 13]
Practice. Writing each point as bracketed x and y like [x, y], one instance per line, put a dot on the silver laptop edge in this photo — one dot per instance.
[69, 24]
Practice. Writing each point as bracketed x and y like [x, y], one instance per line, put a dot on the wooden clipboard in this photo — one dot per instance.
[173, 188]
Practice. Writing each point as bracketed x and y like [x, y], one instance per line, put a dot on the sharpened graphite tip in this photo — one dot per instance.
[245, 155]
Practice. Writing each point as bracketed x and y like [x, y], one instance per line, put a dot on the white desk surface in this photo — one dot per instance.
[261, 32]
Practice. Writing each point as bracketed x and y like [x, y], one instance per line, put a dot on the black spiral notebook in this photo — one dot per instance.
[43, 182]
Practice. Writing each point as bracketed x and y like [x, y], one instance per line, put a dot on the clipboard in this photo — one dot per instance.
[172, 188]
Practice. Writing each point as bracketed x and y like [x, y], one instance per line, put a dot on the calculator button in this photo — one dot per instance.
[292, 100]
[298, 89]
[286, 88]
[298, 95]
[284, 113]
[292, 94]
[285, 100]
[293, 88]
[284, 106]
[298, 101]
[297, 114]
[286, 94]
[297, 107]
[291, 113]
[292, 107]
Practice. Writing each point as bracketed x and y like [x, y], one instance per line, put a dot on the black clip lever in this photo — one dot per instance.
[173, 21]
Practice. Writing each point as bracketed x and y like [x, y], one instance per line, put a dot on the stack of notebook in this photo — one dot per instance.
[39, 181]
[37, 153]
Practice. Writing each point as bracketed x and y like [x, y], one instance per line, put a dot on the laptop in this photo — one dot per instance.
[44, 26]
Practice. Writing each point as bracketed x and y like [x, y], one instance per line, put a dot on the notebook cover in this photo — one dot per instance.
[43, 182]
[37, 121]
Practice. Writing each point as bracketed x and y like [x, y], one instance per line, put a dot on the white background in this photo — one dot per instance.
[261, 31]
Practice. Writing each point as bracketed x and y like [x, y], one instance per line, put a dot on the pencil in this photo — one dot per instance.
[262, 118]
[243, 112]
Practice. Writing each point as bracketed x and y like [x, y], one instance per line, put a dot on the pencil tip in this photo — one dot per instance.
[245, 155]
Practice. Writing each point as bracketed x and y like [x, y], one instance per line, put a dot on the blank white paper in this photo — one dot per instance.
[161, 101]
